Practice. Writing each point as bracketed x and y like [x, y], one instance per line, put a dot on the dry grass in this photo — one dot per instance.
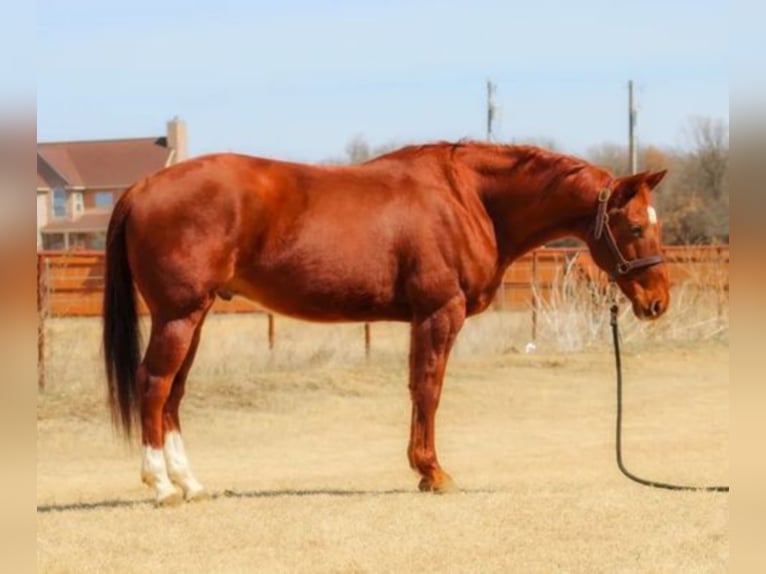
[315, 437]
[573, 316]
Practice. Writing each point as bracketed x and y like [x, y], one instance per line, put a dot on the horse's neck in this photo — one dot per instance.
[527, 209]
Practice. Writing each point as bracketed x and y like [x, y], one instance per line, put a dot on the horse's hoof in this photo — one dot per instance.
[197, 495]
[191, 487]
[439, 485]
[171, 499]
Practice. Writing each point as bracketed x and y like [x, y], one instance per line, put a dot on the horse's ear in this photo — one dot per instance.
[626, 188]
[653, 179]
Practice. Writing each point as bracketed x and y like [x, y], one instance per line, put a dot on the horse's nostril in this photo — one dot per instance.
[655, 308]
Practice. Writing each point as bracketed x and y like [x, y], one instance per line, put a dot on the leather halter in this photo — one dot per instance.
[623, 266]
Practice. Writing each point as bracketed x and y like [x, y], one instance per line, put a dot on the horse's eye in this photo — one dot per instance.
[637, 230]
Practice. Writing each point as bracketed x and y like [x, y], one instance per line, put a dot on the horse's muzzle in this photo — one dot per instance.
[654, 309]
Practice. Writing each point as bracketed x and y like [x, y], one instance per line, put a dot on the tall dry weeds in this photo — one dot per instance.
[573, 313]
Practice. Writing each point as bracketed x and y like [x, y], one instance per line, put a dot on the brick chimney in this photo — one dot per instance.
[177, 139]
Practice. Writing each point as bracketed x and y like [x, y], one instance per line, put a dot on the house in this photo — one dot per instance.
[78, 183]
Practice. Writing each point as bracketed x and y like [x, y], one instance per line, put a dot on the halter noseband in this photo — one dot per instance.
[601, 227]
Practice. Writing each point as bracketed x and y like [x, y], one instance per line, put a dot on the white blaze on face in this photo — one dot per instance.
[652, 215]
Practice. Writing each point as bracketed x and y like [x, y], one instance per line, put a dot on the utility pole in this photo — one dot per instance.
[632, 148]
[491, 109]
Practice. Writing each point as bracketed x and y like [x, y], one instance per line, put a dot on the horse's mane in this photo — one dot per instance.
[554, 166]
[523, 152]
[419, 149]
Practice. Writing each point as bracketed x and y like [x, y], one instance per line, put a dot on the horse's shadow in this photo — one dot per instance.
[122, 503]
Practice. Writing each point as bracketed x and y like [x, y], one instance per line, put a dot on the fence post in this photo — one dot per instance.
[270, 317]
[718, 264]
[534, 295]
[503, 301]
[367, 340]
[42, 313]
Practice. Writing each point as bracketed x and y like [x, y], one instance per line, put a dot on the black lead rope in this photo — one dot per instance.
[626, 472]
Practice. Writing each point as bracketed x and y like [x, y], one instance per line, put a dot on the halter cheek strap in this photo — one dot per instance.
[601, 228]
[601, 215]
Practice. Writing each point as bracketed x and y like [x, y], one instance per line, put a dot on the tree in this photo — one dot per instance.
[611, 156]
[614, 157]
[710, 156]
[549, 144]
[696, 206]
[358, 150]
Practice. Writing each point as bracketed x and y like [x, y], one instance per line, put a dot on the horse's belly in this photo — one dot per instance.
[321, 301]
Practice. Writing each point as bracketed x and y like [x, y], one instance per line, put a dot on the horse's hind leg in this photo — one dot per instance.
[178, 467]
[168, 347]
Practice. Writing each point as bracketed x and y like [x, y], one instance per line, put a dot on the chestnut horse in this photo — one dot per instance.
[423, 234]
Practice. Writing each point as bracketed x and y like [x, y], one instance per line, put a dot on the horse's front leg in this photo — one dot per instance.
[432, 337]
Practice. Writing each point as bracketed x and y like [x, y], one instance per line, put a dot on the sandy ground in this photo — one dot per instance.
[307, 463]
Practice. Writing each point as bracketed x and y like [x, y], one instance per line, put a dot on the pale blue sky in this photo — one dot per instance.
[297, 79]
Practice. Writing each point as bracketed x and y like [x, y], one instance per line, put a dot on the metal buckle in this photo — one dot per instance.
[623, 268]
[604, 194]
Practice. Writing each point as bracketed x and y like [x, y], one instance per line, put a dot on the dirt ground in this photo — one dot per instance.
[307, 464]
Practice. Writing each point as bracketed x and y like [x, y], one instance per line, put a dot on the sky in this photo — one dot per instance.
[297, 80]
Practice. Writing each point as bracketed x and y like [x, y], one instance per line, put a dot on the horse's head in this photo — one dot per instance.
[625, 242]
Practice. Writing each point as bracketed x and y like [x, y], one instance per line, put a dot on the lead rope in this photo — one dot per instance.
[616, 339]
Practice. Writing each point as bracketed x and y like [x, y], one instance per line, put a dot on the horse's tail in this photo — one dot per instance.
[120, 324]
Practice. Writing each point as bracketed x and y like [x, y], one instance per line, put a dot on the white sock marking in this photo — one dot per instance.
[178, 465]
[154, 472]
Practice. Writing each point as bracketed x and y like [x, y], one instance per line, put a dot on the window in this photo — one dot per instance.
[97, 241]
[59, 202]
[104, 199]
[78, 241]
[53, 241]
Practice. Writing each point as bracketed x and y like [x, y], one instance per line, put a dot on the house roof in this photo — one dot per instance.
[95, 220]
[104, 163]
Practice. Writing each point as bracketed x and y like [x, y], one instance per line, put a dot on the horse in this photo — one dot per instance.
[422, 235]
